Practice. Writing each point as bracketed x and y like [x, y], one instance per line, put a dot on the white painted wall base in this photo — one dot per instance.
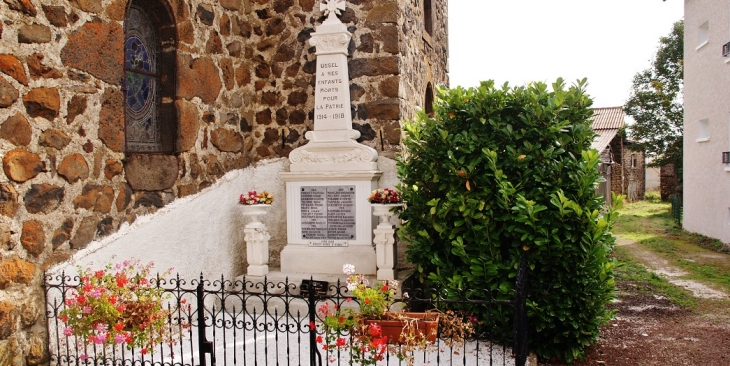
[204, 233]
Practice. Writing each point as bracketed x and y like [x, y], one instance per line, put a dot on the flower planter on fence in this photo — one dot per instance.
[399, 326]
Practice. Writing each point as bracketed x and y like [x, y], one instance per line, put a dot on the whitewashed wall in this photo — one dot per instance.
[204, 232]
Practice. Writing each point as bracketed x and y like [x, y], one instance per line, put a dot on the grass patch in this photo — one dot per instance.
[648, 282]
[649, 224]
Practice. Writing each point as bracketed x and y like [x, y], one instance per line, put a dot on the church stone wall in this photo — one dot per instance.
[425, 57]
[244, 92]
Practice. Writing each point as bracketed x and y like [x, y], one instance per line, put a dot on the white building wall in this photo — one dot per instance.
[203, 233]
[707, 97]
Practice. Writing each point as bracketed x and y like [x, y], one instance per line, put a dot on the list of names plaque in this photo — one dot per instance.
[328, 214]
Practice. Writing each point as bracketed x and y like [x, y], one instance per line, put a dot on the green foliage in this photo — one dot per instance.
[656, 102]
[499, 171]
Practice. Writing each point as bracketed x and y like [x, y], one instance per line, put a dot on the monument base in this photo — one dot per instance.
[308, 260]
[257, 270]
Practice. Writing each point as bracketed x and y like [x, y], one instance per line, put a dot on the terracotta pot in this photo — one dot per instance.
[393, 325]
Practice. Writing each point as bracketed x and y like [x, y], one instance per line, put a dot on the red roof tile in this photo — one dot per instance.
[607, 118]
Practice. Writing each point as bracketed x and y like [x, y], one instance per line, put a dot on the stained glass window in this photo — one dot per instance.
[427, 17]
[141, 83]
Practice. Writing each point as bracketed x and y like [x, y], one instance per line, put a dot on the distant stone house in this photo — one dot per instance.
[622, 164]
[111, 110]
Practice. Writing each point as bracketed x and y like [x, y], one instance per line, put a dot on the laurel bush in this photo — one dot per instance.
[502, 170]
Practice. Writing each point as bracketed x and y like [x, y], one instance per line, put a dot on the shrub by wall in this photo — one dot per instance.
[498, 171]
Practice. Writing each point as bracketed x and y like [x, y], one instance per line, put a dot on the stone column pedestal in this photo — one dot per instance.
[257, 240]
[384, 240]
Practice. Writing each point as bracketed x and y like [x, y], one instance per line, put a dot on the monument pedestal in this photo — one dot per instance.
[329, 222]
[307, 260]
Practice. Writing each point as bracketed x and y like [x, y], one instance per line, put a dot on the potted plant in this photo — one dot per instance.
[385, 196]
[255, 198]
[383, 201]
[255, 204]
[118, 305]
[373, 328]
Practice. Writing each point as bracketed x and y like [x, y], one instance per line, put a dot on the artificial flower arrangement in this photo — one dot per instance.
[368, 339]
[385, 195]
[254, 198]
[118, 305]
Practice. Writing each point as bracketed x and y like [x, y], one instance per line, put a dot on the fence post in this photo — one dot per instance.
[520, 325]
[314, 355]
[204, 346]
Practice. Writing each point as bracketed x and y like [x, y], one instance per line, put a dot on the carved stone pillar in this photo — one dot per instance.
[257, 240]
[384, 240]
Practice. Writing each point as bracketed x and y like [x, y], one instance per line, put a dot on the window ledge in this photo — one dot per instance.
[727, 60]
[426, 37]
[703, 139]
[727, 169]
[703, 44]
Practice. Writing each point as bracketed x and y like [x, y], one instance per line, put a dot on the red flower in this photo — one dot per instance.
[384, 288]
[119, 326]
[340, 342]
[312, 325]
[64, 318]
[319, 339]
[367, 301]
[99, 274]
[144, 351]
[375, 330]
[342, 319]
[81, 299]
[121, 280]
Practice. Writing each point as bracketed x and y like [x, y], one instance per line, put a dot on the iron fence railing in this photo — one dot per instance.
[677, 209]
[252, 322]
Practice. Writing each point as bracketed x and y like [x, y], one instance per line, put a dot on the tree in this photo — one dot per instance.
[498, 172]
[656, 102]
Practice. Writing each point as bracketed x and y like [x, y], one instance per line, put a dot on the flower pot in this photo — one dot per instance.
[399, 326]
[254, 211]
[383, 212]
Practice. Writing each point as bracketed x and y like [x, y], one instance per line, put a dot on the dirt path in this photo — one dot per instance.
[673, 274]
[650, 330]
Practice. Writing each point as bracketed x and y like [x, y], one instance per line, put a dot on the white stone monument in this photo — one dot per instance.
[328, 215]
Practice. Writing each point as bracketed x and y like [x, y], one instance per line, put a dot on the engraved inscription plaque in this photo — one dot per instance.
[328, 214]
[314, 213]
[341, 212]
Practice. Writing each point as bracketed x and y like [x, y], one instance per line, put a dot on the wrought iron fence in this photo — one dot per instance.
[252, 322]
[677, 209]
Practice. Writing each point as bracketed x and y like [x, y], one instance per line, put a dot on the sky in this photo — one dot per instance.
[518, 41]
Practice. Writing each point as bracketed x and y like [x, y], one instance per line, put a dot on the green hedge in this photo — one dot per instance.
[498, 171]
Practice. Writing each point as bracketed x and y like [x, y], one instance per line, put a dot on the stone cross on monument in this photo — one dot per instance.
[328, 216]
[332, 8]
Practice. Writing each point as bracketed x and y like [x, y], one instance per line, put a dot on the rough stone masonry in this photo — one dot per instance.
[243, 92]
